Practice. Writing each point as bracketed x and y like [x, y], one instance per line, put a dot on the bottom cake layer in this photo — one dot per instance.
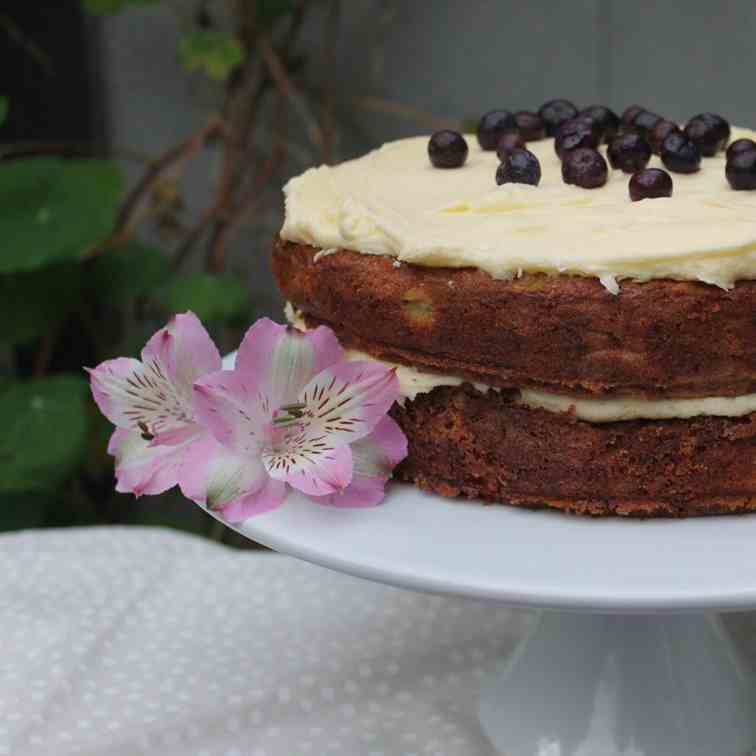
[463, 442]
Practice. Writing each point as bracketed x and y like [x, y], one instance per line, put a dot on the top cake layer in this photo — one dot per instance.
[393, 202]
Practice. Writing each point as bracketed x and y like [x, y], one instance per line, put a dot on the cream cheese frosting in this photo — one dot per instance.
[413, 382]
[393, 202]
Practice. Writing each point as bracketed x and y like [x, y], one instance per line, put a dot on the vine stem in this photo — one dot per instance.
[177, 154]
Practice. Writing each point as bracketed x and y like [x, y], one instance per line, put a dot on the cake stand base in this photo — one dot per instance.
[622, 685]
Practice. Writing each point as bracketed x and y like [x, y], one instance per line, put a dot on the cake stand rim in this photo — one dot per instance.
[281, 531]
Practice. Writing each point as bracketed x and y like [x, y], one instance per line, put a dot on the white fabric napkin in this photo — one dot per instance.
[133, 641]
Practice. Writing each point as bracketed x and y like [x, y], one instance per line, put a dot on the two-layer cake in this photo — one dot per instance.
[557, 346]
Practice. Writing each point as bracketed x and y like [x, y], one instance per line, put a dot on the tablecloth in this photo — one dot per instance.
[129, 641]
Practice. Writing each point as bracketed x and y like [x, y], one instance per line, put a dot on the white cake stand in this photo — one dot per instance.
[627, 659]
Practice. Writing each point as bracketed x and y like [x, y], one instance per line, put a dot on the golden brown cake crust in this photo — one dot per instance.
[466, 443]
[565, 334]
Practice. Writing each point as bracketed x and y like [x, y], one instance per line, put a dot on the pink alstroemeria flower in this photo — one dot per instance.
[293, 411]
[151, 404]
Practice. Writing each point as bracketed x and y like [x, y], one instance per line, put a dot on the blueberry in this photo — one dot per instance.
[447, 149]
[519, 166]
[584, 167]
[530, 125]
[630, 113]
[577, 132]
[555, 112]
[709, 132]
[510, 141]
[493, 125]
[649, 184]
[646, 121]
[629, 153]
[660, 132]
[740, 145]
[679, 154]
[741, 170]
[606, 119]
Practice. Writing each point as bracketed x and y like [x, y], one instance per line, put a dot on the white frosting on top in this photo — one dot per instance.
[413, 382]
[393, 202]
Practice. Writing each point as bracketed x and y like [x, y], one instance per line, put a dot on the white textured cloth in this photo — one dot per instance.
[130, 641]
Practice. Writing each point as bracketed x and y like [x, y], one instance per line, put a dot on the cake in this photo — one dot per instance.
[557, 346]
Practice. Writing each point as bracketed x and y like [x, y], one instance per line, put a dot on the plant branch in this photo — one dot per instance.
[283, 83]
[34, 51]
[329, 49]
[400, 109]
[177, 154]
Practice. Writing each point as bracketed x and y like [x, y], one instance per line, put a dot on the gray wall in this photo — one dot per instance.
[450, 60]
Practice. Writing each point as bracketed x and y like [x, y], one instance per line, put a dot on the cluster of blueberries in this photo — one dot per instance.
[630, 140]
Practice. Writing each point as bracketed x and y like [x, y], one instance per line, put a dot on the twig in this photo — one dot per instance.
[283, 83]
[20, 149]
[379, 105]
[329, 48]
[179, 153]
[17, 34]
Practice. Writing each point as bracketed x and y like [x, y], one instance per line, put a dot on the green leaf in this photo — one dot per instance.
[210, 297]
[4, 107]
[100, 7]
[127, 272]
[53, 209]
[269, 10]
[44, 432]
[32, 303]
[214, 51]
[21, 511]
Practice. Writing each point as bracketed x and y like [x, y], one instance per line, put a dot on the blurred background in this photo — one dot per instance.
[144, 144]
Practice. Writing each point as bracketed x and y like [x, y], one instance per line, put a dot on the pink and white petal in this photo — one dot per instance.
[229, 404]
[130, 393]
[359, 494]
[270, 496]
[111, 390]
[315, 473]
[345, 401]
[215, 476]
[283, 359]
[161, 349]
[141, 468]
[374, 458]
[195, 354]
[177, 435]
[381, 451]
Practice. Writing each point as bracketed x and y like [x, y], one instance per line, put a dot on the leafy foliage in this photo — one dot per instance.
[216, 52]
[128, 272]
[4, 107]
[33, 303]
[53, 209]
[44, 432]
[100, 7]
[211, 297]
[269, 10]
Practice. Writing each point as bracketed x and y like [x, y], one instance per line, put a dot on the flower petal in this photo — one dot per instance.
[345, 401]
[138, 396]
[316, 474]
[282, 359]
[218, 478]
[194, 354]
[229, 404]
[144, 469]
[269, 497]
[374, 457]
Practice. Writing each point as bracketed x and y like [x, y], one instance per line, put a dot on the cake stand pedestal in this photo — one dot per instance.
[628, 657]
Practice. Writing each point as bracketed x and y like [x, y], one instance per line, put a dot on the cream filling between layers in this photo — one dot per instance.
[393, 202]
[413, 382]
